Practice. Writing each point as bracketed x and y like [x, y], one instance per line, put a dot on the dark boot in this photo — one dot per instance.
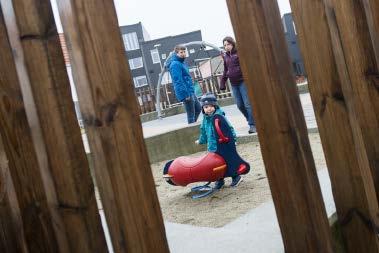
[252, 129]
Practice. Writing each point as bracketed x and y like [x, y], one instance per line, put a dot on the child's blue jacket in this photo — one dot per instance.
[208, 132]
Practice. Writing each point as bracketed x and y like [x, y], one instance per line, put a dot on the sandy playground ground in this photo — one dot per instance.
[230, 202]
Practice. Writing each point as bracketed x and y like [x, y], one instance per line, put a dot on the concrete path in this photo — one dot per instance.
[235, 117]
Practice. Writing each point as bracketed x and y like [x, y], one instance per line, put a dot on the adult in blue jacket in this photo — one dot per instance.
[183, 85]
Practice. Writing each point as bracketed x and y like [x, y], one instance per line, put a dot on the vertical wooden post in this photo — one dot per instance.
[372, 15]
[213, 88]
[144, 104]
[143, 97]
[163, 100]
[110, 113]
[37, 222]
[140, 102]
[145, 101]
[351, 179]
[145, 91]
[11, 233]
[152, 99]
[152, 96]
[357, 67]
[55, 135]
[281, 125]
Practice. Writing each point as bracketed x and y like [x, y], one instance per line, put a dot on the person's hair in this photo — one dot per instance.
[179, 47]
[230, 40]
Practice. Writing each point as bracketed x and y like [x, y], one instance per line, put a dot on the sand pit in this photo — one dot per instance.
[229, 203]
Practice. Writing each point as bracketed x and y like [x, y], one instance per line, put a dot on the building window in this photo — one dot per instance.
[164, 56]
[155, 56]
[294, 27]
[136, 63]
[192, 51]
[140, 81]
[130, 41]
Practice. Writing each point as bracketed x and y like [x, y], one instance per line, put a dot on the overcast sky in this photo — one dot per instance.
[170, 17]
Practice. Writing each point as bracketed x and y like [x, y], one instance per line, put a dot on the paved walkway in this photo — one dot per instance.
[235, 117]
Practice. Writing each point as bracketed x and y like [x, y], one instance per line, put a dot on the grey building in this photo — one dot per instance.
[146, 57]
[293, 45]
[133, 36]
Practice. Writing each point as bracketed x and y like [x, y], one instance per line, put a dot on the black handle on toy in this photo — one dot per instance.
[223, 138]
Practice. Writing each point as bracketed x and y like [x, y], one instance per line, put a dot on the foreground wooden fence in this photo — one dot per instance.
[47, 199]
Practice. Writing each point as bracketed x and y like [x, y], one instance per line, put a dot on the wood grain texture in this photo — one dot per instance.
[11, 232]
[357, 67]
[350, 176]
[51, 134]
[23, 164]
[111, 116]
[281, 125]
[371, 8]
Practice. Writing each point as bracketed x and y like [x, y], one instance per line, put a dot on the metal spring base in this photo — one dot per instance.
[205, 190]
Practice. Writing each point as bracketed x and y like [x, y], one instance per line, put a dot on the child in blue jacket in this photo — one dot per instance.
[207, 131]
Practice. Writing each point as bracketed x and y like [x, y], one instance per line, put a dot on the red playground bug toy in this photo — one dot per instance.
[225, 162]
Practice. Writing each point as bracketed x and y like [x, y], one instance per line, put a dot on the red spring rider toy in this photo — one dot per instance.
[225, 162]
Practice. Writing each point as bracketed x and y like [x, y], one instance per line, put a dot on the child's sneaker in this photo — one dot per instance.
[236, 181]
[219, 184]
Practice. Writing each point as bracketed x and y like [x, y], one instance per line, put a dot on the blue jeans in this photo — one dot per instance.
[193, 109]
[243, 103]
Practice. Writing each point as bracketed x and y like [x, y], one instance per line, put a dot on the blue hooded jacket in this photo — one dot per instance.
[181, 78]
[208, 132]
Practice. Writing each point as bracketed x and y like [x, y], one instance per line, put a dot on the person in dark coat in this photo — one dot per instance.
[183, 85]
[232, 71]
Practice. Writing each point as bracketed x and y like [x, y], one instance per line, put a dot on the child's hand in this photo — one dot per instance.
[197, 142]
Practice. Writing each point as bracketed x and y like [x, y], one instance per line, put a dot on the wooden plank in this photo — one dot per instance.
[11, 232]
[8, 237]
[352, 187]
[51, 116]
[281, 126]
[111, 116]
[357, 66]
[372, 15]
[40, 235]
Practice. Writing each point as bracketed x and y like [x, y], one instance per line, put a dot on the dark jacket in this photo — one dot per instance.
[181, 78]
[232, 69]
